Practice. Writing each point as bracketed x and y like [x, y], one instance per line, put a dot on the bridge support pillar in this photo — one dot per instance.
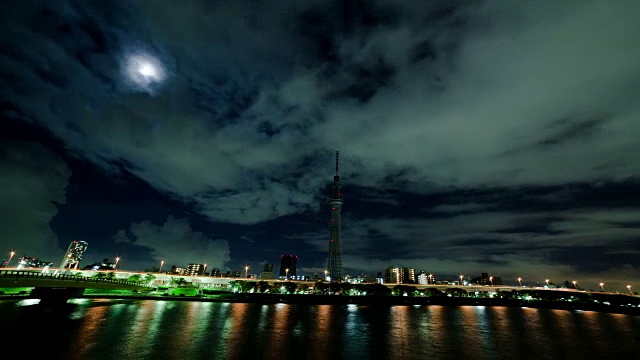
[55, 295]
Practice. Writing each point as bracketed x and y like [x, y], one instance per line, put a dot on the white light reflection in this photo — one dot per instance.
[28, 302]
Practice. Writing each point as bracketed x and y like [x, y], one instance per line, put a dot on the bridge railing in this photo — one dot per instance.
[30, 275]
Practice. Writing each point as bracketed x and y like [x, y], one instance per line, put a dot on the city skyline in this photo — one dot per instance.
[288, 266]
[475, 136]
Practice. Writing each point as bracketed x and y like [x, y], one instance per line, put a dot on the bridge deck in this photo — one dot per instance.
[14, 278]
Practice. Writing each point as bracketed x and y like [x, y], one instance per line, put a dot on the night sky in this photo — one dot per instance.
[475, 136]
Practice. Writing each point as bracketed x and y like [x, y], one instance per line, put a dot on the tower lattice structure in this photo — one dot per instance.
[334, 263]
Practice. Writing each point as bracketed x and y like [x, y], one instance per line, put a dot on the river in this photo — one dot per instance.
[147, 329]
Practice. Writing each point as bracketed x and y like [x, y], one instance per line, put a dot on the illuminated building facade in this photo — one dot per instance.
[31, 262]
[288, 262]
[334, 262]
[195, 269]
[426, 279]
[73, 256]
[399, 275]
[178, 270]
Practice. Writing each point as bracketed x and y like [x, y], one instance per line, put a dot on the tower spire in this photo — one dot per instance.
[334, 262]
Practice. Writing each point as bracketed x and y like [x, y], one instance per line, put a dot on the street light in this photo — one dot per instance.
[629, 288]
[575, 284]
[204, 272]
[520, 281]
[325, 274]
[116, 265]
[491, 279]
[461, 277]
[286, 271]
[246, 271]
[547, 281]
[602, 286]
[430, 279]
[11, 253]
[161, 263]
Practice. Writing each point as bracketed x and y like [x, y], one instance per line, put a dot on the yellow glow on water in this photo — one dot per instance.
[238, 331]
[135, 337]
[90, 332]
[323, 318]
[280, 334]
[470, 336]
[198, 328]
[399, 333]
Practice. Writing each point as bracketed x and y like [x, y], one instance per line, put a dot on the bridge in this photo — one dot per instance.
[42, 280]
[51, 286]
[17, 278]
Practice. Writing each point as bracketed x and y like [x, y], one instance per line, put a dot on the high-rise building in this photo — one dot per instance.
[215, 272]
[393, 275]
[268, 268]
[288, 262]
[195, 269]
[73, 256]
[399, 275]
[334, 262]
[426, 279]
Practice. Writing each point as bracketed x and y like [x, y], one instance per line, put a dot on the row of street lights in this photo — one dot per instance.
[574, 282]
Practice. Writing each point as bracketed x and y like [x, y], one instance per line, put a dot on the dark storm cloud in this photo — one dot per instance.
[438, 101]
[33, 183]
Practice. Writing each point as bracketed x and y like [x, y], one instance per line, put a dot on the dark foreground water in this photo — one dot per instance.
[137, 329]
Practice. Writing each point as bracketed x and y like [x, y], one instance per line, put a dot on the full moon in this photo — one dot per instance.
[144, 71]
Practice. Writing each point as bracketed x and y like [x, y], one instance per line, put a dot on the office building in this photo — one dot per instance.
[426, 279]
[399, 275]
[196, 269]
[289, 262]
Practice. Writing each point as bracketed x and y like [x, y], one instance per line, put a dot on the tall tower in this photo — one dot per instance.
[334, 265]
[73, 256]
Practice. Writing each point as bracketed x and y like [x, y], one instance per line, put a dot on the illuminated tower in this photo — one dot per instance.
[73, 256]
[334, 264]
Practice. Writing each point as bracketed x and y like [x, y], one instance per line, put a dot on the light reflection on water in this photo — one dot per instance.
[134, 329]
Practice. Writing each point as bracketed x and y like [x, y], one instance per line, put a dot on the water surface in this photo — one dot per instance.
[147, 329]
